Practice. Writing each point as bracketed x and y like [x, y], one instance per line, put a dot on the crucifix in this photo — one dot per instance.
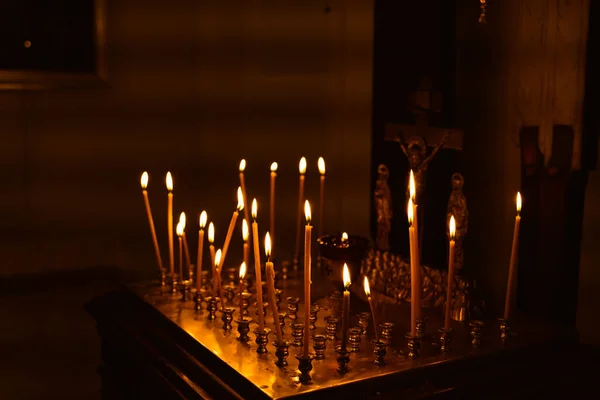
[415, 139]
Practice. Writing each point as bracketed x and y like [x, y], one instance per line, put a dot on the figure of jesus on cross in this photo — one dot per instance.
[414, 139]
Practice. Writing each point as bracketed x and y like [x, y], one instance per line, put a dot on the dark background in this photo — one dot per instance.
[61, 33]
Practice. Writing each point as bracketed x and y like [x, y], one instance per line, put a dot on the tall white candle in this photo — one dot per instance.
[259, 294]
[272, 205]
[169, 182]
[414, 288]
[514, 259]
[144, 182]
[307, 282]
[302, 171]
[321, 165]
[451, 273]
[202, 224]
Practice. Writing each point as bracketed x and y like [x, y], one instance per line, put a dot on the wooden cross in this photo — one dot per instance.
[424, 103]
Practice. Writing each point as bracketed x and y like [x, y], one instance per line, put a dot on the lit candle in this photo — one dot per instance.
[368, 293]
[169, 181]
[344, 239]
[414, 288]
[307, 282]
[514, 255]
[272, 203]
[321, 165]
[211, 241]
[451, 272]
[302, 170]
[234, 217]
[259, 296]
[218, 276]
[144, 182]
[203, 218]
[245, 237]
[186, 249]
[179, 231]
[241, 287]
[346, 307]
[242, 168]
[270, 271]
[413, 196]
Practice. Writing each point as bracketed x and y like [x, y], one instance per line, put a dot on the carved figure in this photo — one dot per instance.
[416, 152]
[383, 207]
[457, 206]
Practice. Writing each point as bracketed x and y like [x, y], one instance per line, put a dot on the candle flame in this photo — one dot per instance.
[321, 165]
[307, 211]
[182, 219]
[218, 258]
[302, 166]
[144, 180]
[203, 218]
[344, 237]
[410, 211]
[274, 166]
[240, 197]
[518, 202]
[169, 181]
[211, 233]
[268, 245]
[254, 209]
[245, 231]
[242, 165]
[242, 270]
[367, 287]
[411, 185]
[452, 228]
[346, 276]
[179, 228]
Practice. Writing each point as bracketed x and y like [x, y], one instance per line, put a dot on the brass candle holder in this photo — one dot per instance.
[297, 334]
[331, 328]
[414, 344]
[363, 321]
[174, 284]
[421, 326]
[354, 338]
[229, 292]
[211, 307]
[281, 316]
[386, 331]
[504, 328]
[262, 339]
[319, 345]
[198, 298]
[336, 250]
[282, 352]
[305, 366]
[343, 359]
[245, 300]
[380, 351]
[163, 279]
[278, 293]
[264, 310]
[243, 329]
[227, 317]
[292, 303]
[445, 339]
[314, 310]
[204, 279]
[476, 332]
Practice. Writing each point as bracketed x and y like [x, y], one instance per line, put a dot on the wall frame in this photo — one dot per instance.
[52, 45]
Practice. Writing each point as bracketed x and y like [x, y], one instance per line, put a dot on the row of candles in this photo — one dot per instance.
[218, 257]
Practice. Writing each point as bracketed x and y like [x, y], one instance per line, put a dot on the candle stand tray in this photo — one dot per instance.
[156, 346]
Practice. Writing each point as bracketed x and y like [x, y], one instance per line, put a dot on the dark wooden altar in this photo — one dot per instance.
[156, 346]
